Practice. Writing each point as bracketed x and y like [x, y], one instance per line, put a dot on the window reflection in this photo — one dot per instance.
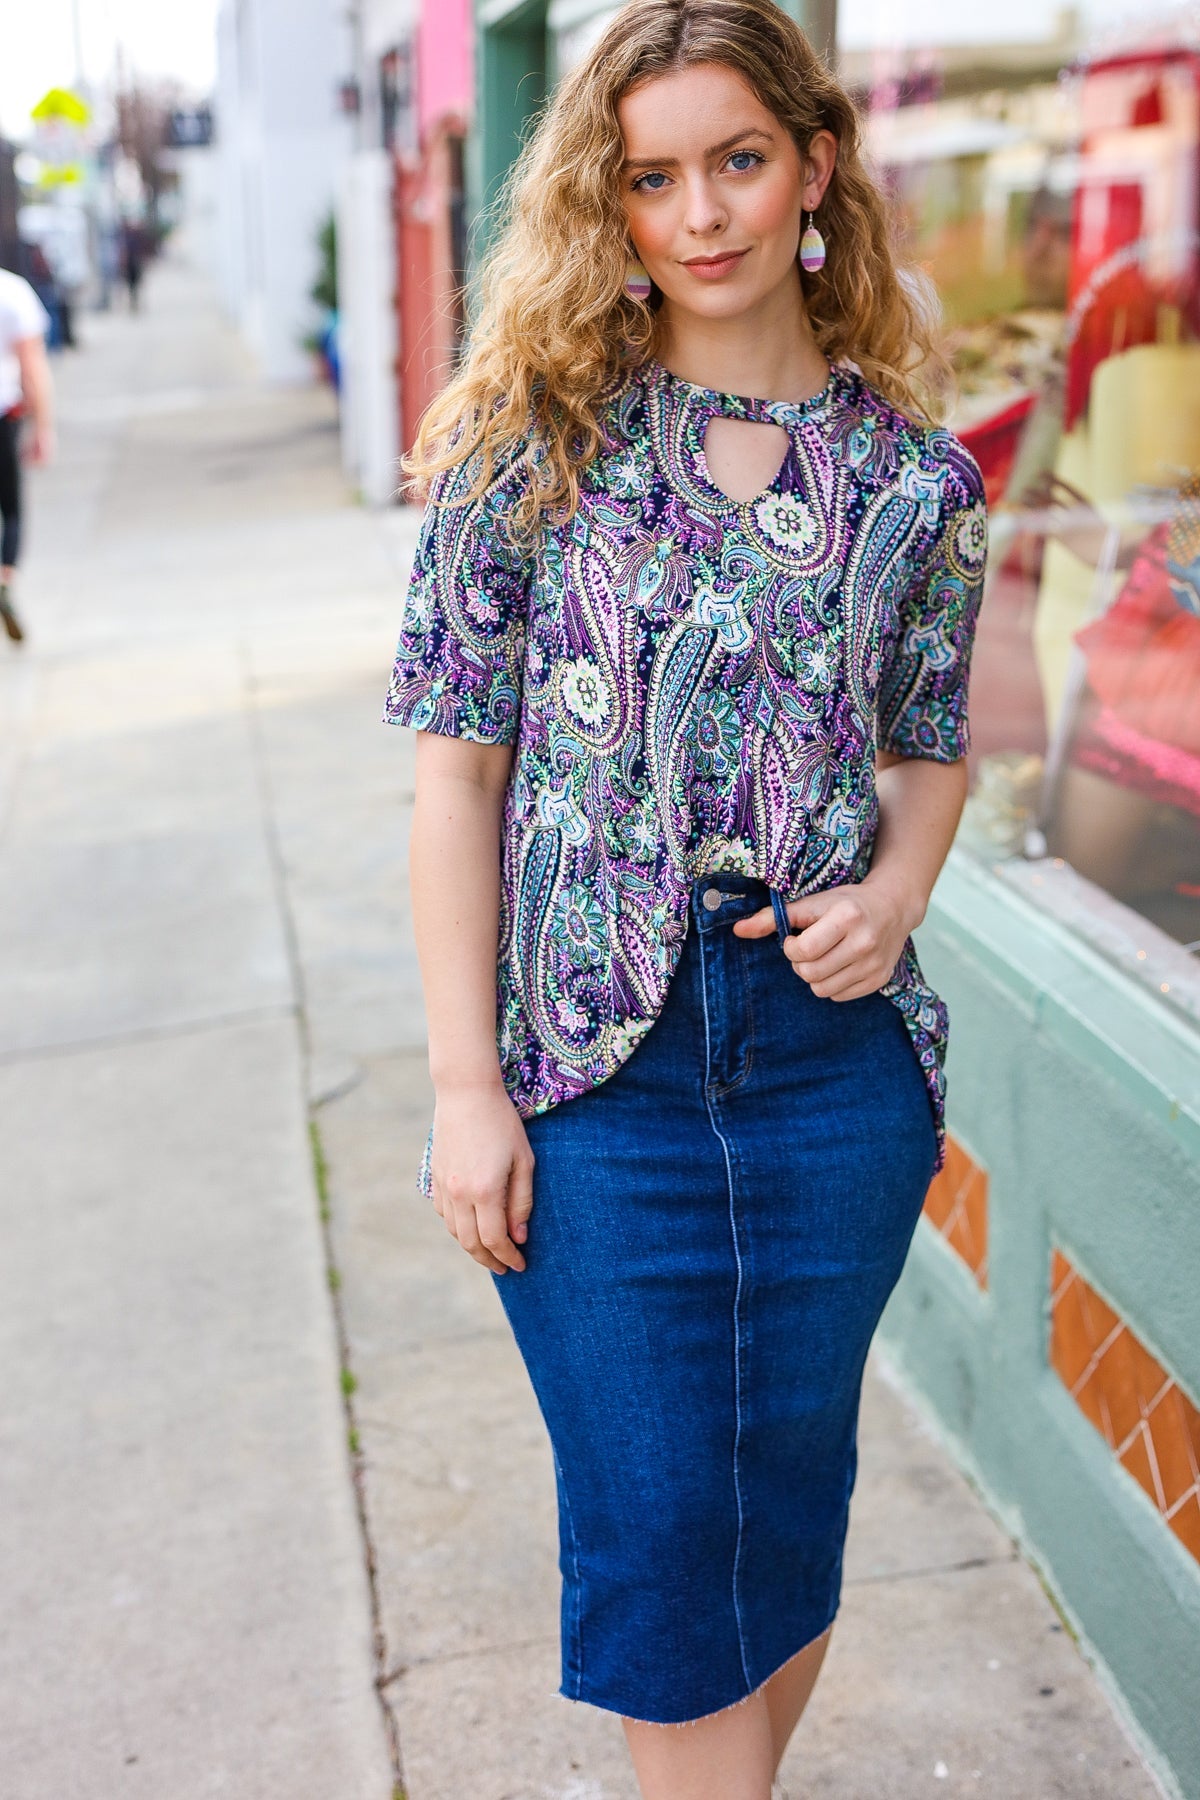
[1053, 195]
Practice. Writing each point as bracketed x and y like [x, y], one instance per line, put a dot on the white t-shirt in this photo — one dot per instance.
[22, 315]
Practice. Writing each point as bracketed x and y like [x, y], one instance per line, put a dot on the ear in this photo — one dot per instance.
[820, 159]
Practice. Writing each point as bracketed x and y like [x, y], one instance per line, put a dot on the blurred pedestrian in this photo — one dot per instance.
[108, 264]
[66, 249]
[133, 260]
[25, 392]
[44, 283]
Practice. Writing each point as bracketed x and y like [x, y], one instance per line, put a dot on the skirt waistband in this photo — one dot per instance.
[718, 899]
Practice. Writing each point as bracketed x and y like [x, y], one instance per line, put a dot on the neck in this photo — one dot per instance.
[768, 351]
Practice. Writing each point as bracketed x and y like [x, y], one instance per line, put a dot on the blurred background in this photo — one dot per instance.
[277, 1505]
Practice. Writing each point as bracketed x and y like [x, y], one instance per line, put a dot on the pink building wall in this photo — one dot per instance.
[445, 61]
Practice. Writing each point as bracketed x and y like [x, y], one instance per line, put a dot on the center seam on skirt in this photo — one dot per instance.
[737, 1328]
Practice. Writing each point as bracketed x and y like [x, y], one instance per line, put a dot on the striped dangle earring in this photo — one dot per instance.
[637, 281]
[812, 249]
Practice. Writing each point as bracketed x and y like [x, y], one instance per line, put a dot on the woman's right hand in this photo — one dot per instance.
[481, 1171]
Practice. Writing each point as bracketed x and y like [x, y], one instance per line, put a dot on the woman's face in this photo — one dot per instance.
[715, 188]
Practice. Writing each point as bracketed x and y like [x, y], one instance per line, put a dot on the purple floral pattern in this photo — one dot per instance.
[692, 683]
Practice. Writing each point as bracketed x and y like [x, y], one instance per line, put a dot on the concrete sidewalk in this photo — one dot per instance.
[206, 947]
[186, 1607]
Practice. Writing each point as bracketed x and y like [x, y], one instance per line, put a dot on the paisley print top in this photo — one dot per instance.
[692, 683]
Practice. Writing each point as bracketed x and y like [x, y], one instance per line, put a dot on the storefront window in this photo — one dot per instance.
[1053, 192]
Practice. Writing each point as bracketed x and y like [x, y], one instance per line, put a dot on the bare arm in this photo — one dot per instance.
[482, 1166]
[37, 393]
[848, 939]
[920, 804]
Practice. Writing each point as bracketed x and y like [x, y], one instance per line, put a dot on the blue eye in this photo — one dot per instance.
[752, 154]
[651, 175]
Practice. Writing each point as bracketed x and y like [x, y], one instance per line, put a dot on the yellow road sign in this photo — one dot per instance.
[60, 103]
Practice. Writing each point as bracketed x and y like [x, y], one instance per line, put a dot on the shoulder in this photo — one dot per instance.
[620, 408]
[477, 492]
[620, 468]
[23, 312]
[468, 527]
[909, 450]
[482, 473]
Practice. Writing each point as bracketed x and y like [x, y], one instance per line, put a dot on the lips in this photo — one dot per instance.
[715, 265]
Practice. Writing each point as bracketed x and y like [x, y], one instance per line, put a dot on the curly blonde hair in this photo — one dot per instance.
[556, 331]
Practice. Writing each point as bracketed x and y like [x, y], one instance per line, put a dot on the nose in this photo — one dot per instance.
[703, 213]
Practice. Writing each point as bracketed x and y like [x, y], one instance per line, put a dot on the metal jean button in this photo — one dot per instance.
[711, 898]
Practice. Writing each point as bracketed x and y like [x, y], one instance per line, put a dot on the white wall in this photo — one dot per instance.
[367, 273]
[367, 326]
[575, 26]
[230, 131]
[282, 144]
[199, 204]
[384, 23]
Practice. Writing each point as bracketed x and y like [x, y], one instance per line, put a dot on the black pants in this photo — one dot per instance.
[10, 490]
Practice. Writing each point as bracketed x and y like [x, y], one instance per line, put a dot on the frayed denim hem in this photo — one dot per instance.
[624, 1712]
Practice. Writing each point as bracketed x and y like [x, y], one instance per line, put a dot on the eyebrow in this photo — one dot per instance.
[666, 162]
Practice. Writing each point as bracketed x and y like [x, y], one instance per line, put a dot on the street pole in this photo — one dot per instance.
[77, 30]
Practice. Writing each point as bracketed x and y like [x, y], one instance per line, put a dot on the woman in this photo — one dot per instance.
[688, 1074]
[25, 389]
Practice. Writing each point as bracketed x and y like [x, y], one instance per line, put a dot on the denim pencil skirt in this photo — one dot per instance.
[716, 1229]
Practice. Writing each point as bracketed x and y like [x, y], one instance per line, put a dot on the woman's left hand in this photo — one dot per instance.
[845, 942]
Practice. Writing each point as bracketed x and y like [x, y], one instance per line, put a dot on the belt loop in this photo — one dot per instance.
[782, 925]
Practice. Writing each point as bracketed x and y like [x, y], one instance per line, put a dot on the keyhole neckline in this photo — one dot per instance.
[714, 401]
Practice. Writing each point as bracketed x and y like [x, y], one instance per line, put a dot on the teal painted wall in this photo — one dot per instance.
[1079, 1092]
[511, 62]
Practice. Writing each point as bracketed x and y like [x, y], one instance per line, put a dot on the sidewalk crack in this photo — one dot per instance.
[545, 1640]
[149, 1034]
[950, 1568]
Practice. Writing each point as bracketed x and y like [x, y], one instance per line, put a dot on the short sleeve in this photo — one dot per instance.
[23, 314]
[922, 708]
[459, 660]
